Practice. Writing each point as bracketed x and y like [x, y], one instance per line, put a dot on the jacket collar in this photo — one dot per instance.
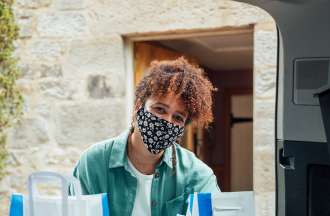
[118, 155]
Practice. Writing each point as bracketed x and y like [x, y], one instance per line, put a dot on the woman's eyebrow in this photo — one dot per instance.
[160, 103]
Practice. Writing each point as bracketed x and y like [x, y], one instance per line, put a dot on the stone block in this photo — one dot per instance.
[265, 48]
[264, 169]
[26, 27]
[80, 124]
[62, 24]
[29, 132]
[95, 56]
[35, 71]
[100, 56]
[23, 13]
[265, 83]
[50, 70]
[45, 50]
[57, 88]
[71, 4]
[98, 87]
[264, 125]
[27, 72]
[241, 14]
[33, 4]
[265, 204]
[264, 138]
[27, 88]
[264, 108]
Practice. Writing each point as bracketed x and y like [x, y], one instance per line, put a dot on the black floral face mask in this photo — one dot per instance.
[157, 133]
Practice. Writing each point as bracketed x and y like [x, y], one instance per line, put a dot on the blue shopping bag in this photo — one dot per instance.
[199, 204]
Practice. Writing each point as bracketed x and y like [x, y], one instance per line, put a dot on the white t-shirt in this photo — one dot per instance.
[142, 201]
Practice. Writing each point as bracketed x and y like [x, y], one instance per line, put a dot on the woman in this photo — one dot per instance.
[144, 170]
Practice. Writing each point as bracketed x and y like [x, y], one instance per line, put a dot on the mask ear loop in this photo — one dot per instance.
[173, 159]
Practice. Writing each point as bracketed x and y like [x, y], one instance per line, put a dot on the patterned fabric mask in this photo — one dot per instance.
[157, 133]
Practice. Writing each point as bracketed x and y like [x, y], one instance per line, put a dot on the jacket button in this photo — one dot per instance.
[157, 175]
[153, 203]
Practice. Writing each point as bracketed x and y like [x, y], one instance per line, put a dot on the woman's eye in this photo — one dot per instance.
[159, 110]
[178, 118]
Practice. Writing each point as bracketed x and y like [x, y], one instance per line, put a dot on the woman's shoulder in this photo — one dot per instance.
[94, 157]
[99, 147]
[99, 152]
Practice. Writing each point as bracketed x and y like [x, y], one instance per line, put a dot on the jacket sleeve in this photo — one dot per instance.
[209, 184]
[201, 177]
[82, 177]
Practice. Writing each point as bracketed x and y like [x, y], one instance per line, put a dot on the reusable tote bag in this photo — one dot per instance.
[35, 204]
[221, 204]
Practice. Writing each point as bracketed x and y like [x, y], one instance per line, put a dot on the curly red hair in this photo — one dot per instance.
[183, 79]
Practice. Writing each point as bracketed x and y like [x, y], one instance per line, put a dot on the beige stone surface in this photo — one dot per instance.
[264, 169]
[83, 123]
[265, 204]
[65, 43]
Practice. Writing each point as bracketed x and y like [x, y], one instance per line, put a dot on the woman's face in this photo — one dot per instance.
[169, 107]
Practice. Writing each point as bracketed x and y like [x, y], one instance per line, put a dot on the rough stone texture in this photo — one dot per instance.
[264, 169]
[27, 72]
[50, 70]
[264, 123]
[57, 88]
[154, 16]
[102, 56]
[71, 4]
[33, 4]
[22, 13]
[26, 27]
[98, 87]
[95, 56]
[29, 132]
[62, 24]
[265, 52]
[65, 43]
[265, 76]
[22, 162]
[36, 71]
[80, 124]
[265, 204]
[45, 50]
[265, 40]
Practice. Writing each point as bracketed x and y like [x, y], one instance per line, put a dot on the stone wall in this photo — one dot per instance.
[72, 57]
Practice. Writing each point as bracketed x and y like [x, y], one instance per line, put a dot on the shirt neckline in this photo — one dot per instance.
[137, 172]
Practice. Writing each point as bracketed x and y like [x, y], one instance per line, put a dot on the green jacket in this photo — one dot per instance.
[103, 168]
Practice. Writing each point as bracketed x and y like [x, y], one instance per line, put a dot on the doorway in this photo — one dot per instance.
[227, 58]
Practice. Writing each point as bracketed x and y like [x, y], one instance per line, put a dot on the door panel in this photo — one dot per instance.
[242, 143]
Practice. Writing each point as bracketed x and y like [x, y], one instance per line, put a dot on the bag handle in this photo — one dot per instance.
[193, 208]
[75, 183]
[48, 177]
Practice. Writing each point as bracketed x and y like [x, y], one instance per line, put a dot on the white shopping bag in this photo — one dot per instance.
[41, 205]
[234, 203]
[221, 204]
